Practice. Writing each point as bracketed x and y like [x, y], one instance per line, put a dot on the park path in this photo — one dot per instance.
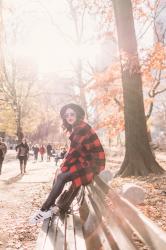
[20, 196]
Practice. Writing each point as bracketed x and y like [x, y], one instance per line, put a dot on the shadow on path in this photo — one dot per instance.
[35, 169]
[13, 179]
[33, 182]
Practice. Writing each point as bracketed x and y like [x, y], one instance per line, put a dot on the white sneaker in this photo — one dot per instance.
[40, 216]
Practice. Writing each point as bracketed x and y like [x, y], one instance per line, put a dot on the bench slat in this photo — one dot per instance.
[122, 223]
[100, 232]
[51, 236]
[148, 231]
[42, 235]
[59, 243]
[79, 238]
[70, 237]
[121, 239]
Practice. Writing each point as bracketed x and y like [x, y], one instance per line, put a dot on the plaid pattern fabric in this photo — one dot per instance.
[85, 157]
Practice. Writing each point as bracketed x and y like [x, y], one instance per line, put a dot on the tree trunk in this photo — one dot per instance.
[81, 86]
[139, 159]
[20, 134]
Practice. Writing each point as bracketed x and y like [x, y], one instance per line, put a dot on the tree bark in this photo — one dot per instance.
[139, 159]
[81, 86]
[20, 134]
[79, 36]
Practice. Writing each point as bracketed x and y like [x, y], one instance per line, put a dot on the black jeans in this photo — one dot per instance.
[57, 188]
[35, 157]
[23, 163]
[1, 161]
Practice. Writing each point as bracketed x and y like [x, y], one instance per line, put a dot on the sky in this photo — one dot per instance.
[47, 35]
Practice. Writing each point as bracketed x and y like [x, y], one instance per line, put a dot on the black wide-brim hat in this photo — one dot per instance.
[78, 109]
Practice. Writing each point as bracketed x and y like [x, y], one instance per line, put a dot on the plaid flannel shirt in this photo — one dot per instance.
[85, 157]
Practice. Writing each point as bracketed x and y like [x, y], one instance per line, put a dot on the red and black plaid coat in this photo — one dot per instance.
[85, 157]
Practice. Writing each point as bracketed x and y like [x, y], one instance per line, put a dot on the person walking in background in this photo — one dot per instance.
[35, 149]
[42, 151]
[3, 150]
[49, 150]
[63, 153]
[84, 159]
[56, 156]
[22, 154]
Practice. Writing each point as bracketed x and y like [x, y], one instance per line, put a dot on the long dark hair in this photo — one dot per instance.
[80, 115]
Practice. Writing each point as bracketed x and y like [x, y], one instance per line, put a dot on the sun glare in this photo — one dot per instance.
[43, 42]
[52, 53]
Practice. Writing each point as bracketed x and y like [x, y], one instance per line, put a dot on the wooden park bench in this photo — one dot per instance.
[114, 223]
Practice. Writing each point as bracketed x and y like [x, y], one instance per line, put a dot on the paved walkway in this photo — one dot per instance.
[20, 196]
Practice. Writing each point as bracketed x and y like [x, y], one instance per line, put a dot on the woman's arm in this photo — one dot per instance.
[76, 145]
[94, 146]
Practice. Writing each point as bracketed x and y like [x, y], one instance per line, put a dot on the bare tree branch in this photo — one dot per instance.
[160, 91]
[61, 32]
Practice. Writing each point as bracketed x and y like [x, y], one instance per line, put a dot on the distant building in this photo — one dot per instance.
[107, 52]
[159, 111]
[160, 22]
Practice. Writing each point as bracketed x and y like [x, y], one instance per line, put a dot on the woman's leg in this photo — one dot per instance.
[25, 163]
[21, 164]
[57, 189]
[1, 161]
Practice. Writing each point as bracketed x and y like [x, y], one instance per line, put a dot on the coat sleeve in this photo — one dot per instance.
[3, 147]
[74, 150]
[16, 148]
[93, 145]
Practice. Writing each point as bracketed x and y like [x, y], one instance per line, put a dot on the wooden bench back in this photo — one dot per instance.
[119, 224]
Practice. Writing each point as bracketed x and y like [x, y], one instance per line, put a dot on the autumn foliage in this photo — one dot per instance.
[107, 84]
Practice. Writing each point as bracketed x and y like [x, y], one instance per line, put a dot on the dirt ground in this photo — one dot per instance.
[22, 195]
[154, 205]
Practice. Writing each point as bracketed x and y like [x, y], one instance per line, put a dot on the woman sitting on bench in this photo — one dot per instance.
[84, 160]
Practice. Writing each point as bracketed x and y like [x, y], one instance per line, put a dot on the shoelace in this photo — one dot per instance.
[38, 217]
